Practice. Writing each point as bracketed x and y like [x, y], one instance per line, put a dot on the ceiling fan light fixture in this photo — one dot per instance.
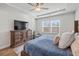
[37, 9]
[37, 6]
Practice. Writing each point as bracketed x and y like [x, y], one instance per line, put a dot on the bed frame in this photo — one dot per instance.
[23, 53]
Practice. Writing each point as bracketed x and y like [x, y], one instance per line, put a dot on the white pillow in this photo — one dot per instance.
[66, 39]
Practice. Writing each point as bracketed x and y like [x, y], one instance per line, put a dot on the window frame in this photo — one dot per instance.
[50, 25]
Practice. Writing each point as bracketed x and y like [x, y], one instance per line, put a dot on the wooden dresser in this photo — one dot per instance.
[29, 34]
[19, 37]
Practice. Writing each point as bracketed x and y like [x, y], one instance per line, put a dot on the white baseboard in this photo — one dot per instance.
[4, 46]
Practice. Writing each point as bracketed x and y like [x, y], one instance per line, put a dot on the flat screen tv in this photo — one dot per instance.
[20, 25]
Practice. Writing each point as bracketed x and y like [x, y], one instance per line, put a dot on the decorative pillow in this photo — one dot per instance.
[56, 39]
[75, 47]
[66, 40]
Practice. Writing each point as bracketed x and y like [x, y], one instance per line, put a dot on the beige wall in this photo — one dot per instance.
[7, 17]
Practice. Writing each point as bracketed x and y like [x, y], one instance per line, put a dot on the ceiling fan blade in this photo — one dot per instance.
[44, 8]
[42, 3]
[31, 4]
[37, 4]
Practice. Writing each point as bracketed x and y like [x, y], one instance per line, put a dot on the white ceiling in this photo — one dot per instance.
[26, 8]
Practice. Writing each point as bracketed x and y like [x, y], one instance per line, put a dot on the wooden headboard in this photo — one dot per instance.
[76, 26]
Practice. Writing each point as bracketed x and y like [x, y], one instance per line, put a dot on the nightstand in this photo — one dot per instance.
[36, 36]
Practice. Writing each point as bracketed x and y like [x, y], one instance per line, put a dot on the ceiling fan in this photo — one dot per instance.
[38, 6]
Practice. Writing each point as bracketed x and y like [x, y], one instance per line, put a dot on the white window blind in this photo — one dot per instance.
[51, 26]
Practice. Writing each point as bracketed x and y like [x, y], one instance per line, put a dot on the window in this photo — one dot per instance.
[50, 26]
[46, 26]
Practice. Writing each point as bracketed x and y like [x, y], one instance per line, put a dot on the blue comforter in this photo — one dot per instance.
[43, 46]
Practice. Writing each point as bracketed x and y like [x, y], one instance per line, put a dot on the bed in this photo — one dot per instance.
[43, 46]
